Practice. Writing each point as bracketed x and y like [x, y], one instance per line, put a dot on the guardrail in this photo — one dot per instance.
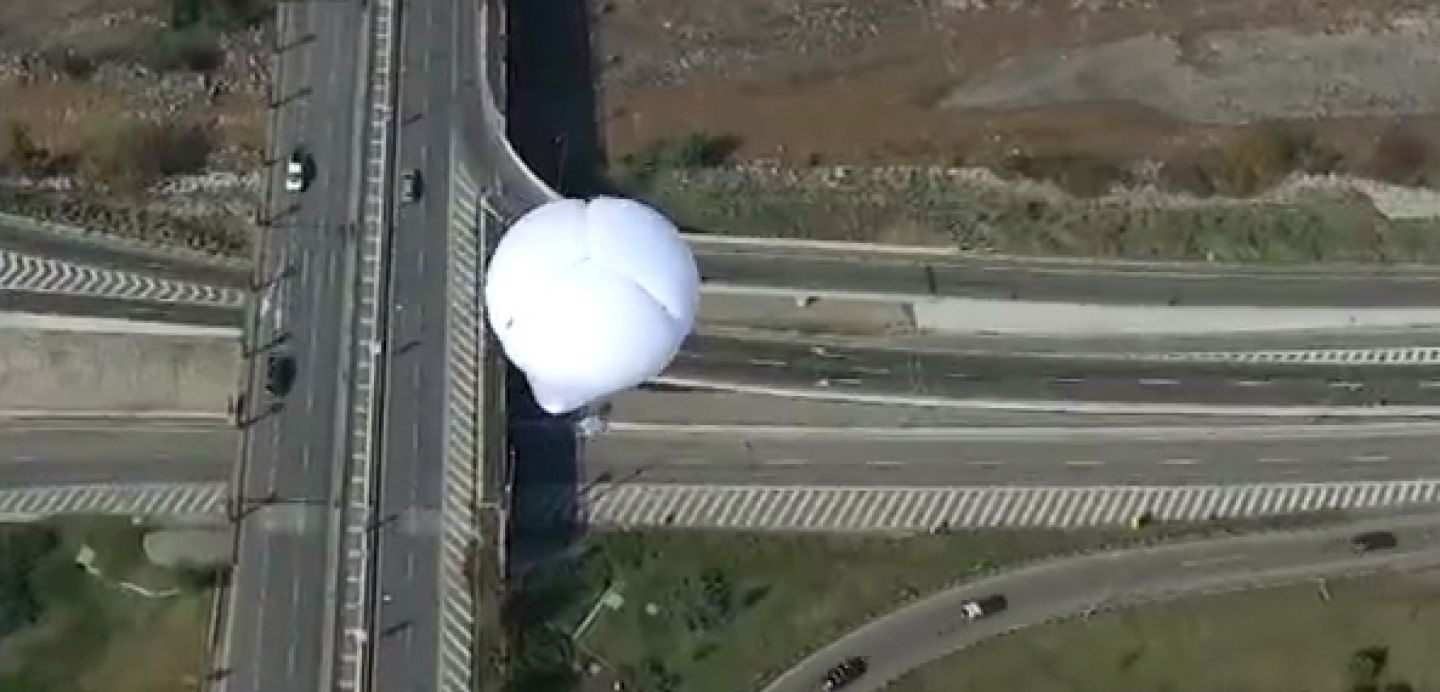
[355, 598]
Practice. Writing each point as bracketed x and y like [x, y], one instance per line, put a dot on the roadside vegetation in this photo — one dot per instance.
[1214, 206]
[1374, 634]
[1217, 215]
[710, 611]
[104, 102]
[122, 625]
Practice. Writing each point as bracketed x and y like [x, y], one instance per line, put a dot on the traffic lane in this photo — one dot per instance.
[1065, 282]
[650, 406]
[281, 616]
[312, 408]
[290, 609]
[154, 261]
[938, 374]
[735, 457]
[60, 445]
[39, 302]
[413, 472]
[121, 469]
[922, 632]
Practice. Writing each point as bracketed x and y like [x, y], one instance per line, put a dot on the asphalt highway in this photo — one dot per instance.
[917, 634]
[1011, 456]
[119, 308]
[874, 370]
[99, 252]
[278, 628]
[1059, 280]
[126, 452]
[406, 648]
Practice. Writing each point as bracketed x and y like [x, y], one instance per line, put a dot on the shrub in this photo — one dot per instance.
[695, 150]
[194, 49]
[1079, 174]
[20, 153]
[127, 155]
[21, 548]
[1403, 157]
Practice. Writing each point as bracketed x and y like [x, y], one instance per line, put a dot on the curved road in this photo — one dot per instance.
[929, 629]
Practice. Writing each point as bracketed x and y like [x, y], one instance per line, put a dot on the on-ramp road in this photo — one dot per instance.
[922, 632]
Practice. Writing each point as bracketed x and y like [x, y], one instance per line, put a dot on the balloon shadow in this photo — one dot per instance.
[545, 517]
[552, 108]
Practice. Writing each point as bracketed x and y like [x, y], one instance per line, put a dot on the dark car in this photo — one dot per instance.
[412, 186]
[848, 671]
[1373, 540]
[279, 374]
[977, 608]
[299, 169]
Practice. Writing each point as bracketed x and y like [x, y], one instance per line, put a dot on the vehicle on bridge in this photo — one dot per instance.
[844, 673]
[412, 185]
[298, 170]
[982, 607]
[280, 371]
[1373, 540]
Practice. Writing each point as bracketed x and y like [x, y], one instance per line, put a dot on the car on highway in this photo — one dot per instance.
[1373, 540]
[1142, 520]
[297, 171]
[977, 608]
[280, 370]
[412, 186]
[844, 673]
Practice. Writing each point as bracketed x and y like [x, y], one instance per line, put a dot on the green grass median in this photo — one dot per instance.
[123, 625]
[1377, 634]
[720, 612]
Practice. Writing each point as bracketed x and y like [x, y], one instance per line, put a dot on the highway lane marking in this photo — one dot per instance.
[884, 464]
[1209, 561]
[1086, 463]
[1369, 458]
[1430, 384]
[1180, 461]
[983, 464]
[866, 370]
[785, 462]
[1347, 385]
[1158, 382]
[1276, 460]
[1252, 383]
[768, 363]
[1067, 380]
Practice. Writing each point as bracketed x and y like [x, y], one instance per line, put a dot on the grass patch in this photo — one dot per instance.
[709, 611]
[224, 237]
[94, 636]
[1375, 633]
[954, 208]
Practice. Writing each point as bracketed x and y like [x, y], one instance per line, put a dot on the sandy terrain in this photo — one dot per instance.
[955, 81]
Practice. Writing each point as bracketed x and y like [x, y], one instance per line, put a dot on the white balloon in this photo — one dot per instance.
[590, 298]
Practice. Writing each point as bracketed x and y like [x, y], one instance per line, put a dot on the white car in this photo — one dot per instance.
[295, 178]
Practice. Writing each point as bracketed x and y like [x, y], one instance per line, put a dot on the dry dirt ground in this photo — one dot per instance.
[966, 81]
[60, 107]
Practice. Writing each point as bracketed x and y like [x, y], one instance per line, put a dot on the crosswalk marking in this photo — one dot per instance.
[839, 508]
[1398, 355]
[22, 272]
[462, 430]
